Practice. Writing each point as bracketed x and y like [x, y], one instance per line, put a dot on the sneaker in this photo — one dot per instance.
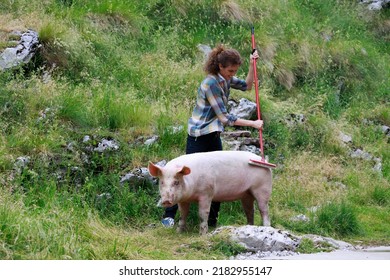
[168, 222]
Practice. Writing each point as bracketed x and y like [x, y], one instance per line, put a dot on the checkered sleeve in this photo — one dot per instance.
[214, 95]
[239, 84]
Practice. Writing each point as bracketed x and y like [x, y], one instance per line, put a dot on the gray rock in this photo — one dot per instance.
[21, 163]
[151, 140]
[103, 196]
[232, 145]
[295, 119]
[345, 138]
[375, 5]
[268, 242]
[300, 218]
[86, 138]
[336, 244]
[107, 145]
[386, 130]
[255, 238]
[176, 129]
[137, 177]
[22, 52]
[251, 148]
[162, 163]
[244, 109]
[236, 134]
[378, 165]
[358, 153]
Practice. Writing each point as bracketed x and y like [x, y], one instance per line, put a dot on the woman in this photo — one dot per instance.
[210, 114]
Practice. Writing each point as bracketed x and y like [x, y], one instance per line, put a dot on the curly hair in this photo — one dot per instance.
[223, 56]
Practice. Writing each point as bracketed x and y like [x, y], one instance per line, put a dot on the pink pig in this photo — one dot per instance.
[214, 176]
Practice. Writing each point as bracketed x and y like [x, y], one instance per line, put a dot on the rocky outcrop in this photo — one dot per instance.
[260, 242]
[376, 5]
[243, 109]
[22, 53]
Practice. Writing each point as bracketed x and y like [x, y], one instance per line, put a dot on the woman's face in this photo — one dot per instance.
[228, 72]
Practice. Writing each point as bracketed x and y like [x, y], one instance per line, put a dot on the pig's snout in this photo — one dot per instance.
[167, 200]
[167, 203]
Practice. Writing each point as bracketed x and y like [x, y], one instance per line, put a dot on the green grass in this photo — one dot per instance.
[307, 246]
[54, 225]
[128, 70]
[340, 219]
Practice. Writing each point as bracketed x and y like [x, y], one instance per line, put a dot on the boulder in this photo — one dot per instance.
[22, 53]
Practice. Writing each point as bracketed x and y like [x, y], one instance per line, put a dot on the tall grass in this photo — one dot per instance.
[341, 219]
[336, 219]
[107, 109]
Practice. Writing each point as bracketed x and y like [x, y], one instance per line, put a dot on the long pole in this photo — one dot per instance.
[257, 94]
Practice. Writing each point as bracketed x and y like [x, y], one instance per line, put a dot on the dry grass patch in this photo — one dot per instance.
[152, 243]
[310, 180]
[231, 10]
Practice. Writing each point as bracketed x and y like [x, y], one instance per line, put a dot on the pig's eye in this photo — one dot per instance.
[176, 183]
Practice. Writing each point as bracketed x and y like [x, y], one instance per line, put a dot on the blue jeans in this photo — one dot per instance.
[205, 143]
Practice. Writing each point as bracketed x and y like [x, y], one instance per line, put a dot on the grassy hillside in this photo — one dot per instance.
[125, 69]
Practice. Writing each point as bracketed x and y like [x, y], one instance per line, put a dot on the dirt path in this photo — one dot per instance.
[372, 253]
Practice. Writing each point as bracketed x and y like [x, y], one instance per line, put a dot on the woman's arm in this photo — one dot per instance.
[249, 78]
[213, 95]
[258, 124]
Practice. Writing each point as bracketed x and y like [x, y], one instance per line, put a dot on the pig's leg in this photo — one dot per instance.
[263, 207]
[204, 210]
[262, 196]
[247, 204]
[184, 209]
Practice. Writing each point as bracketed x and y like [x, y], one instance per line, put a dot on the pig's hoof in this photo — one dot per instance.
[181, 229]
[203, 230]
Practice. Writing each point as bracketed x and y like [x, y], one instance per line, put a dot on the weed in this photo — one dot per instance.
[226, 246]
[381, 196]
[307, 246]
[339, 219]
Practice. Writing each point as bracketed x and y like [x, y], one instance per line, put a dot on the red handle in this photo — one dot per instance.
[255, 76]
[257, 93]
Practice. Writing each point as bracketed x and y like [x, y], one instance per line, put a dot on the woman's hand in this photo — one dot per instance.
[249, 78]
[254, 55]
[258, 124]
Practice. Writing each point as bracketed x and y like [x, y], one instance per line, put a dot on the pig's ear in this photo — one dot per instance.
[154, 170]
[184, 170]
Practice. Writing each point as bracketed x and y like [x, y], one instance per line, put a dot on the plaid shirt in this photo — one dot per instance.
[211, 102]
